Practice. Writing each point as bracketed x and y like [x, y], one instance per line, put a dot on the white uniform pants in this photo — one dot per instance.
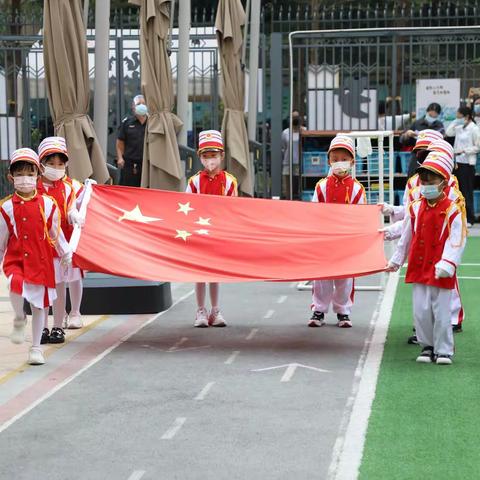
[432, 311]
[338, 292]
[456, 306]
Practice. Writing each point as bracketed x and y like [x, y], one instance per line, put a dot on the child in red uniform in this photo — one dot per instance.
[53, 156]
[433, 238]
[338, 187]
[29, 228]
[211, 181]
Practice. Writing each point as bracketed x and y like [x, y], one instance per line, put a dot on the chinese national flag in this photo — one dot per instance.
[180, 237]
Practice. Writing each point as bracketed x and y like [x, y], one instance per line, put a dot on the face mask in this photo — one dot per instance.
[460, 121]
[429, 119]
[141, 110]
[476, 109]
[295, 122]
[431, 192]
[53, 174]
[25, 184]
[341, 168]
[212, 164]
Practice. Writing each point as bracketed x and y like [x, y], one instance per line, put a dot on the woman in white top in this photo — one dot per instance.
[466, 148]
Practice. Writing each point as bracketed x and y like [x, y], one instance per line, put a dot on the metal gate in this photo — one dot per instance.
[24, 113]
[356, 71]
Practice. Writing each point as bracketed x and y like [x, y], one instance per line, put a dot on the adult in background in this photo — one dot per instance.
[296, 129]
[466, 148]
[130, 143]
[408, 137]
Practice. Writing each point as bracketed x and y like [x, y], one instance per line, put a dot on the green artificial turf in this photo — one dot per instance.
[425, 420]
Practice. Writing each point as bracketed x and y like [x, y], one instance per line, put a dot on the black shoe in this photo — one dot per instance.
[412, 340]
[343, 321]
[45, 336]
[426, 356]
[57, 335]
[317, 319]
[457, 328]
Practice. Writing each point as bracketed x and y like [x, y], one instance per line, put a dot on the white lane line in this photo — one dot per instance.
[180, 342]
[348, 449]
[90, 364]
[232, 357]
[288, 373]
[137, 475]
[282, 298]
[173, 430]
[269, 314]
[252, 333]
[205, 391]
[458, 278]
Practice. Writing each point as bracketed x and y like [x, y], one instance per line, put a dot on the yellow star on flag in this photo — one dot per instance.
[136, 215]
[203, 221]
[202, 231]
[183, 234]
[185, 208]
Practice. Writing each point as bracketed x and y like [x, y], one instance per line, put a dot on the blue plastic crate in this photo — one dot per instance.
[372, 197]
[315, 163]
[476, 202]
[404, 158]
[307, 195]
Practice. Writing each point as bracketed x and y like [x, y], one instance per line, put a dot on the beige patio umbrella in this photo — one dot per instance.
[66, 72]
[161, 158]
[228, 24]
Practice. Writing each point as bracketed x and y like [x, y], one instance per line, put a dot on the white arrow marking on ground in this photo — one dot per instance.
[176, 347]
[290, 370]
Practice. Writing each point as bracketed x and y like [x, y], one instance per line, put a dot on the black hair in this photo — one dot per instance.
[435, 107]
[62, 156]
[466, 112]
[22, 165]
[421, 155]
[427, 175]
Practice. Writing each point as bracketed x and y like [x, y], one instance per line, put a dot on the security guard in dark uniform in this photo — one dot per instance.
[130, 143]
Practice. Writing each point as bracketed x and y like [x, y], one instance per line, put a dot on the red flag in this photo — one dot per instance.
[180, 237]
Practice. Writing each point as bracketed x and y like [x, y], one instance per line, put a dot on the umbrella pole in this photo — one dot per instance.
[184, 15]
[100, 100]
[253, 73]
[85, 13]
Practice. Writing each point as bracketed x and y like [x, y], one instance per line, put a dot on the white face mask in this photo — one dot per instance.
[431, 192]
[25, 184]
[341, 168]
[54, 174]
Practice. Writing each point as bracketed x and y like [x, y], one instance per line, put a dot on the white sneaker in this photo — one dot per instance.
[74, 322]
[35, 356]
[216, 318]
[18, 332]
[201, 318]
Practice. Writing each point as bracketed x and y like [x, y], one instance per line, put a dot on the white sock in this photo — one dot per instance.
[17, 304]
[59, 305]
[76, 292]
[38, 322]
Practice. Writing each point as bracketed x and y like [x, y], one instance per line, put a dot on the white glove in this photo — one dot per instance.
[387, 209]
[441, 273]
[76, 218]
[66, 260]
[90, 181]
[392, 267]
[387, 236]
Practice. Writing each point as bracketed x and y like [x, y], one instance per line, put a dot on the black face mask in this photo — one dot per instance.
[295, 121]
